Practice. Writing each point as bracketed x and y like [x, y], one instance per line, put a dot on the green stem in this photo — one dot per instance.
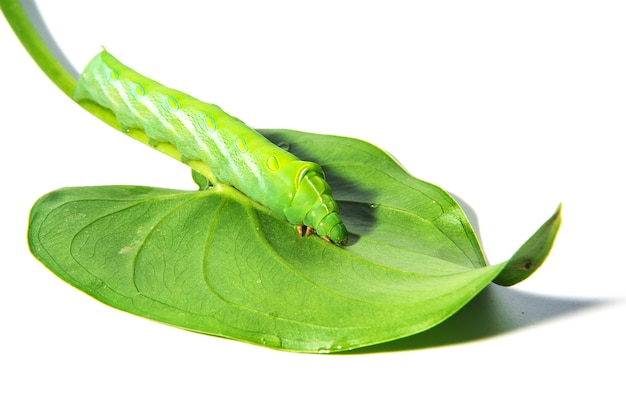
[36, 47]
[58, 74]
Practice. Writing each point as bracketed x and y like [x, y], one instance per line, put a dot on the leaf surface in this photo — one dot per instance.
[215, 262]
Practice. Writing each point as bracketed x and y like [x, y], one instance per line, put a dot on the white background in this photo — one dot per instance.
[514, 107]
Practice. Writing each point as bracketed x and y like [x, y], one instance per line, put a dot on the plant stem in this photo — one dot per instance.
[58, 74]
[36, 47]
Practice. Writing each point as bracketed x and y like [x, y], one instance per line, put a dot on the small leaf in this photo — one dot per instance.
[201, 181]
[215, 262]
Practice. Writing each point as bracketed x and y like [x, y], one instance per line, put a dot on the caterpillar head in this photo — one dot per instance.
[313, 205]
[331, 227]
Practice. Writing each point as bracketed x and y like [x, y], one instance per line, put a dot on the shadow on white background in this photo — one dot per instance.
[495, 311]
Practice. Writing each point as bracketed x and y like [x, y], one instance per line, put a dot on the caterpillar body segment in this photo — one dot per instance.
[236, 154]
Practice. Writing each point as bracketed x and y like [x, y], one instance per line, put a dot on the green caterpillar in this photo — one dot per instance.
[237, 155]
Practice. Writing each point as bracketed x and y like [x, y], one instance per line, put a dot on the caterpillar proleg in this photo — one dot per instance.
[237, 155]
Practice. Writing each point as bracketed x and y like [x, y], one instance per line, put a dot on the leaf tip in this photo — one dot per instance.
[531, 255]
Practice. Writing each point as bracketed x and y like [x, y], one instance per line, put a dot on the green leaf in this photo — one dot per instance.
[215, 262]
[532, 254]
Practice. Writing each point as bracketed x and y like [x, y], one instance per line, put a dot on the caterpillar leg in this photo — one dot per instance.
[304, 230]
